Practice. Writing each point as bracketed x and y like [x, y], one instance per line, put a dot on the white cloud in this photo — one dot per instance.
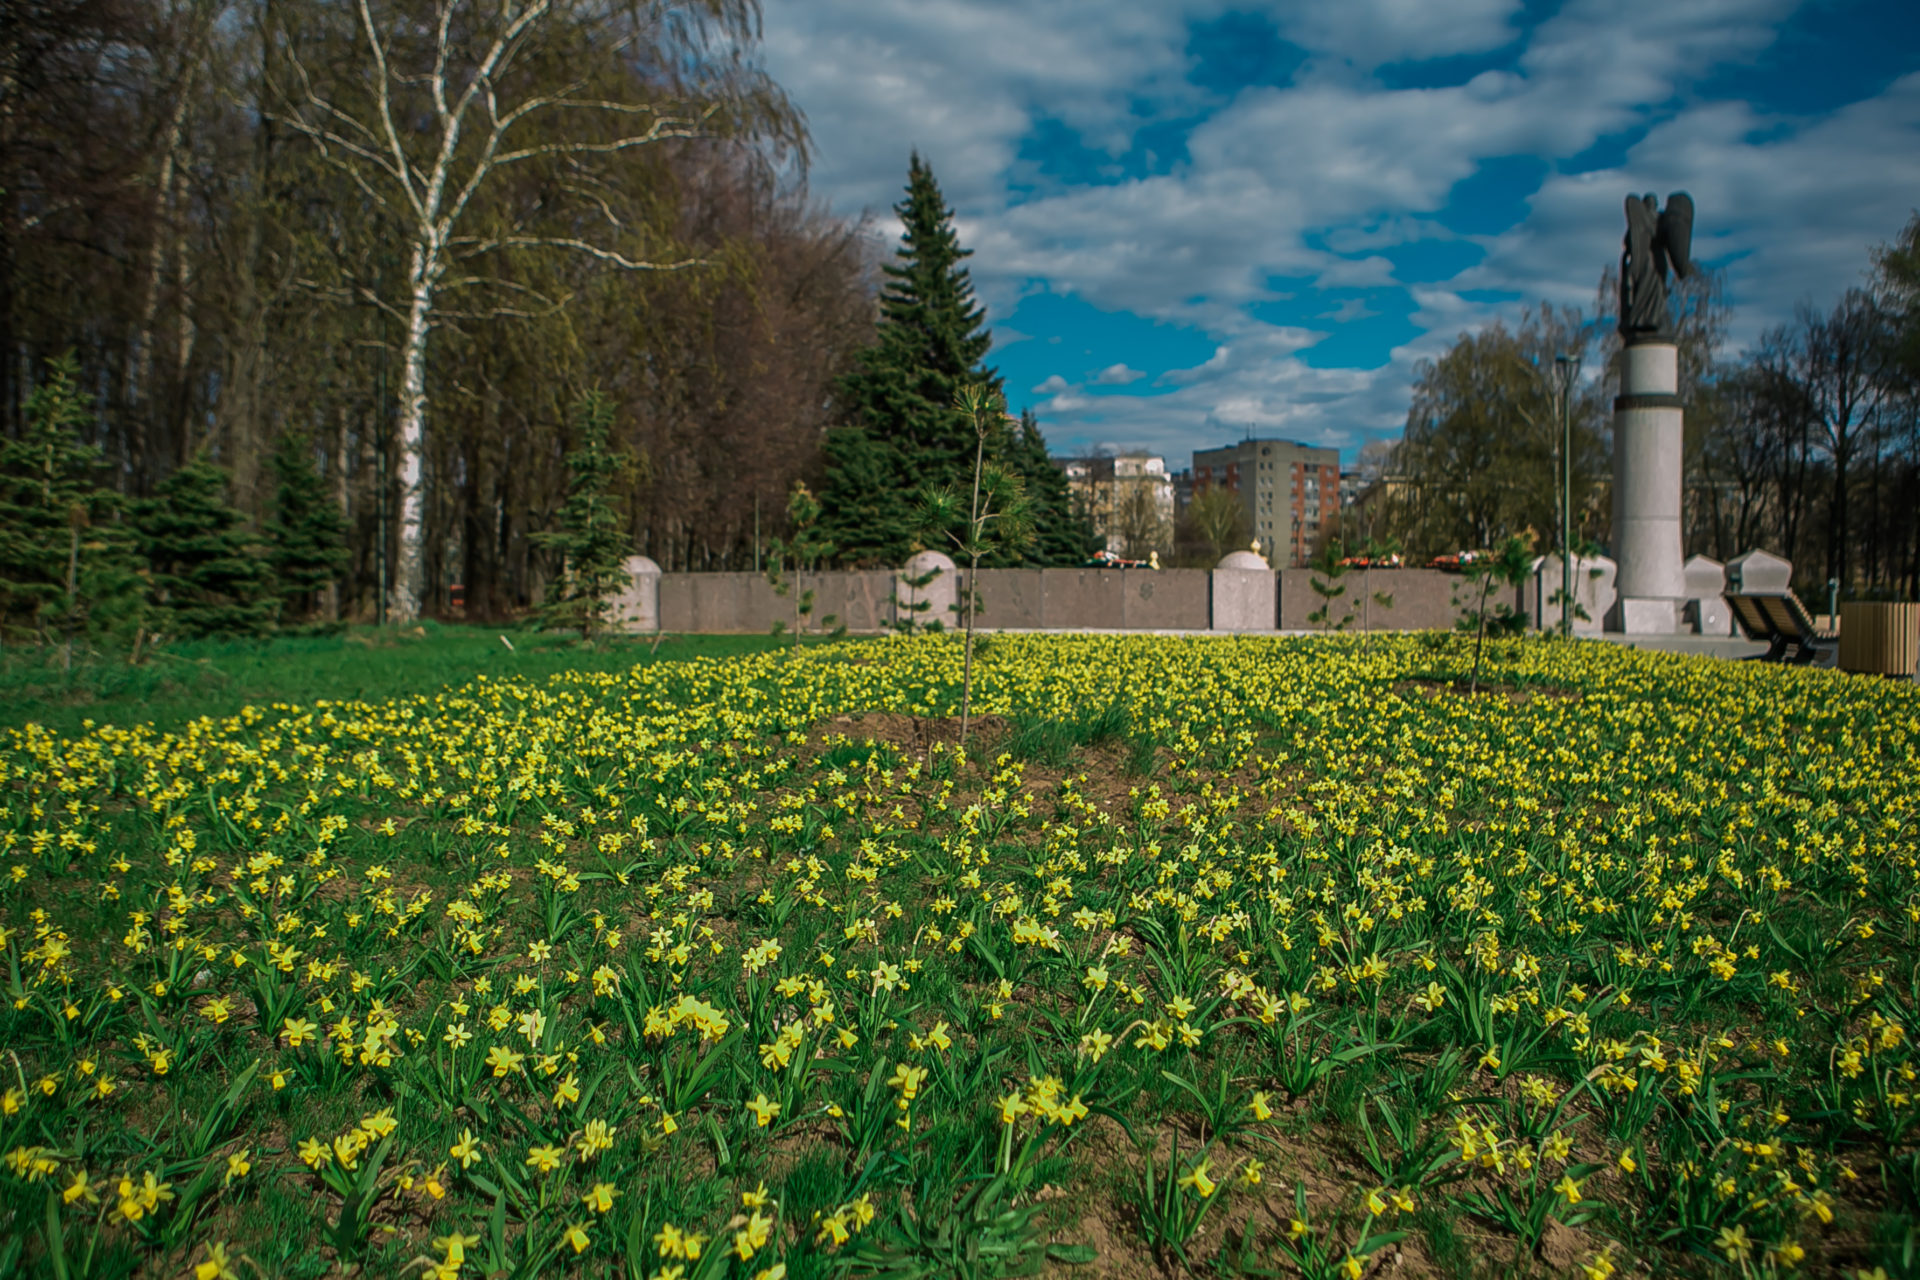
[1791, 206]
[1368, 33]
[1292, 181]
[1117, 375]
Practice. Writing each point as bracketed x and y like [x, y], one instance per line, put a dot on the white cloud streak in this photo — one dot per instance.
[1316, 179]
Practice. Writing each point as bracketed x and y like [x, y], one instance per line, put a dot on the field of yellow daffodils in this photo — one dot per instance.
[1230, 957]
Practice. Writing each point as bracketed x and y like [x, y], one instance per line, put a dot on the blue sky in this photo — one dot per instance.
[1192, 218]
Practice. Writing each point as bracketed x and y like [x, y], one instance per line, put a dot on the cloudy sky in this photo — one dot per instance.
[1194, 217]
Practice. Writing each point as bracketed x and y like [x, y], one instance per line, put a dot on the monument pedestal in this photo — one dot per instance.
[1647, 472]
[1646, 616]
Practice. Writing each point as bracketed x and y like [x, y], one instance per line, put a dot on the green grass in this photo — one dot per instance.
[183, 682]
[1054, 742]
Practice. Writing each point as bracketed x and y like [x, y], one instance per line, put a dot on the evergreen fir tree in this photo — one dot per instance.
[901, 432]
[593, 538]
[308, 533]
[66, 565]
[1061, 536]
[209, 579]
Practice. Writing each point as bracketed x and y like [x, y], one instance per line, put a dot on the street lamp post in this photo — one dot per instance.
[1565, 368]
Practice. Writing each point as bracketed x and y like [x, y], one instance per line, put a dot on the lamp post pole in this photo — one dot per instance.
[1565, 371]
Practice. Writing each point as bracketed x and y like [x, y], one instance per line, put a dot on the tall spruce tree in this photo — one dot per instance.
[593, 538]
[209, 578]
[1061, 535]
[66, 565]
[308, 533]
[901, 432]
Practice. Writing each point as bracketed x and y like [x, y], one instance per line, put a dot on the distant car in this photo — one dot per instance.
[1108, 560]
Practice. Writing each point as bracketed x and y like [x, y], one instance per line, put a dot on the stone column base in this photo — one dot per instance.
[1645, 616]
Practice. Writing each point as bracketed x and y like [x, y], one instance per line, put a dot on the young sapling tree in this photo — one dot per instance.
[803, 552]
[1506, 567]
[997, 520]
[593, 538]
[1328, 570]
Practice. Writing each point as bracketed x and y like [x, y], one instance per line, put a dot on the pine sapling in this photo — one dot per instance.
[1505, 567]
[593, 538]
[1376, 551]
[209, 577]
[803, 552]
[998, 519]
[1328, 569]
[307, 532]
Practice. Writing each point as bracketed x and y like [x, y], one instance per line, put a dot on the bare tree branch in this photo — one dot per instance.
[476, 247]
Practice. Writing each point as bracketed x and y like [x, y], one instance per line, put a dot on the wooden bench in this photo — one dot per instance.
[1784, 625]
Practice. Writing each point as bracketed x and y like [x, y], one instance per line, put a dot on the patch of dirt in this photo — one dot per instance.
[1099, 773]
[915, 733]
[1562, 1248]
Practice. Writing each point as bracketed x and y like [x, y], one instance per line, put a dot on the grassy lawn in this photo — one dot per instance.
[1212, 957]
[217, 678]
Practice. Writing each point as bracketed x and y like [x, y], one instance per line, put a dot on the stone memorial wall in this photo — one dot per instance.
[1238, 597]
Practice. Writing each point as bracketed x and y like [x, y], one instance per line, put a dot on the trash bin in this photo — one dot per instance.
[1881, 639]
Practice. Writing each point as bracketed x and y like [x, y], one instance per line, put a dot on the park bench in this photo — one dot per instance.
[1784, 625]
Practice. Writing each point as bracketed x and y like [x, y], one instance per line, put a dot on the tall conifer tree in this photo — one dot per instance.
[901, 433]
[1061, 536]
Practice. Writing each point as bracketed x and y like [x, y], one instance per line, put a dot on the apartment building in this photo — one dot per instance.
[1128, 497]
[1289, 489]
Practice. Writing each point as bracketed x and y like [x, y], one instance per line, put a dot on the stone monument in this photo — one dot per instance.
[1647, 454]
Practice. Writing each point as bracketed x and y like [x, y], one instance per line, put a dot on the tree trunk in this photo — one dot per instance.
[10, 386]
[409, 579]
[337, 460]
[140, 401]
[189, 332]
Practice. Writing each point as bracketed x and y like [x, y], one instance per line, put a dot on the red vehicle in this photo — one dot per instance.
[1108, 560]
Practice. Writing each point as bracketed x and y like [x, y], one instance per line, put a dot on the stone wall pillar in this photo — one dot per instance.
[1647, 474]
[1759, 573]
[1245, 594]
[637, 609]
[1706, 609]
[1593, 591]
[937, 599]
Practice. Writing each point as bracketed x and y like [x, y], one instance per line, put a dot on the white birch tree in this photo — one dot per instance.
[443, 104]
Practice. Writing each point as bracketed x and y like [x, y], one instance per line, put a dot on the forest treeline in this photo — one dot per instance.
[205, 206]
[1805, 444]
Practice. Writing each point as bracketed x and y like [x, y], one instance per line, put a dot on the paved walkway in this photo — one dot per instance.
[1703, 646]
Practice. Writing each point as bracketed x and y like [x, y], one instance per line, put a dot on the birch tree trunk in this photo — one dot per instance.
[409, 578]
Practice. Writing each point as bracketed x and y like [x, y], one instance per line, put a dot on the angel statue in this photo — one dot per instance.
[1656, 238]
